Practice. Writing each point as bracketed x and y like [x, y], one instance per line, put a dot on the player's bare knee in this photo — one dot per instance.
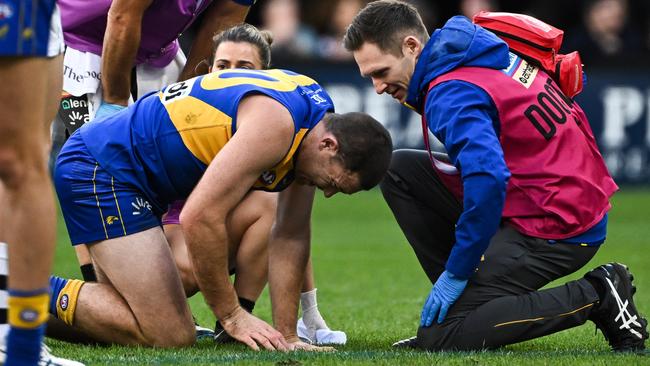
[180, 335]
[187, 337]
[12, 169]
[18, 166]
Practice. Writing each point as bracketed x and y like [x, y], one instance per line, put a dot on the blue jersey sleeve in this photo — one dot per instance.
[465, 119]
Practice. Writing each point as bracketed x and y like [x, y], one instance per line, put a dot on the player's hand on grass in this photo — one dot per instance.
[443, 295]
[253, 332]
[295, 344]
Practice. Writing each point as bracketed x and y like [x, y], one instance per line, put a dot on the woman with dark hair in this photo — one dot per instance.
[246, 47]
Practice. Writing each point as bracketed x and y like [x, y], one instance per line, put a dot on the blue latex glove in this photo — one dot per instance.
[444, 293]
[106, 109]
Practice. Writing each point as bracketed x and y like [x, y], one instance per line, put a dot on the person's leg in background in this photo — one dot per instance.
[424, 208]
[28, 100]
[28, 212]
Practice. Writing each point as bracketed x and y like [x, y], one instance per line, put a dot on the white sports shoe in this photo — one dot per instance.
[46, 359]
[320, 336]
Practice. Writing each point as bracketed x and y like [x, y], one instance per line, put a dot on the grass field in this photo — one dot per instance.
[371, 286]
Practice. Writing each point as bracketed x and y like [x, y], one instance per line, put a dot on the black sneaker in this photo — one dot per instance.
[615, 315]
[408, 343]
[221, 336]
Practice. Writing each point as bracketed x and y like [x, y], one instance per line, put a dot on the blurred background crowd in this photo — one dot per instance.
[612, 36]
[604, 31]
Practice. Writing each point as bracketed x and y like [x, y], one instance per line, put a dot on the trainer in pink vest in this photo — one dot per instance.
[560, 186]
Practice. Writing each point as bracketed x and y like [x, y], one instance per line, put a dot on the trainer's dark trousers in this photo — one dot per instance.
[502, 303]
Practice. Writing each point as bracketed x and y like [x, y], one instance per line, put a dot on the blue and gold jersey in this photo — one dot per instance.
[165, 141]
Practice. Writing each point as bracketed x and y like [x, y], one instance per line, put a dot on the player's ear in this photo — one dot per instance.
[329, 143]
[411, 45]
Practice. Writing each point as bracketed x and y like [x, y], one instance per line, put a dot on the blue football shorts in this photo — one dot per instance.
[95, 205]
[30, 28]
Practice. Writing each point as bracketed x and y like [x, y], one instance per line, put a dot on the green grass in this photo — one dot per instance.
[371, 286]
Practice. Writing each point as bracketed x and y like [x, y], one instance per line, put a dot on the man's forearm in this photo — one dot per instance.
[121, 42]
[287, 263]
[208, 248]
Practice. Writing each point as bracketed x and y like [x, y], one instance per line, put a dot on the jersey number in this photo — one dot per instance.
[177, 91]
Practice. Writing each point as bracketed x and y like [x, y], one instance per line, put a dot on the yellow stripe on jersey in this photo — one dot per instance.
[99, 207]
[297, 139]
[283, 82]
[203, 128]
[271, 178]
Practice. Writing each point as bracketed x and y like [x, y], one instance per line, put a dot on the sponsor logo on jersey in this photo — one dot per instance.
[28, 315]
[314, 95]
[112, 219]
[525, 74]
[139, 205]
[63, 303]
[318, 99]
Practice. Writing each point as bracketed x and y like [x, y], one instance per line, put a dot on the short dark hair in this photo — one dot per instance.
[385, 23]
[365, 146]
[245, 33]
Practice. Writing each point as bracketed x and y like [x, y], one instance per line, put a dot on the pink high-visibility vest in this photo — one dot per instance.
[560, 186]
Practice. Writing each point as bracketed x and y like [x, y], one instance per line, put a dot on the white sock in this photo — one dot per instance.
[310, 314]
[4, 295]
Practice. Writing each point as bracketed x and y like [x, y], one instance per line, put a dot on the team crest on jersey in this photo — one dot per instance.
[63, 303]
[112, 219]
[268, 177]
[525, 73]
